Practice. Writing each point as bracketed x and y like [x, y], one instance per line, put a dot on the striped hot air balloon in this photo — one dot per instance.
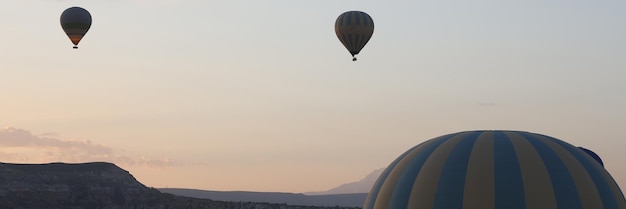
[75, 21]
[354, 29]
[495, 170]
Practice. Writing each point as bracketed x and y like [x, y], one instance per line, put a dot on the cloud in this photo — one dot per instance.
[23, 146]
[13, 157]
[490, 104]
[13, 137]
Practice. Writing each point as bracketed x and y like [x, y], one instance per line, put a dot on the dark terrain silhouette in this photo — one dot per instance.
[97, 185]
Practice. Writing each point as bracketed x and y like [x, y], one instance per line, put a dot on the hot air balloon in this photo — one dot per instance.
[497, 170]
[75, 21]
[354, 29]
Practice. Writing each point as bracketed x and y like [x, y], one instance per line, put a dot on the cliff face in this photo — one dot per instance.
[61, 177]
[96, 186]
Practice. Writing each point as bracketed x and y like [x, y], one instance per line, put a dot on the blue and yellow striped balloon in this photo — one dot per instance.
[495, 170]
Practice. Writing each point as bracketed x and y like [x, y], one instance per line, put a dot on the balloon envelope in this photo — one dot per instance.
[354, 29]
[75, 21]
[497, 170]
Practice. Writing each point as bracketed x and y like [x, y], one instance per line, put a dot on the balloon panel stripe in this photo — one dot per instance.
[371, 197]
[607, 196]
[362, 42]
[351, 43]
[537, 186]
[349, 19]
[590, 198]
[357, 40]
[357, 43]
[346, 43]
[479, 185]
[604, 187]
[340, 22]
[618, 192]
[509, 188]
[565, 190]
[621, 204]
[383, 199]
[452, 179]
[402, 189]
[424, 182]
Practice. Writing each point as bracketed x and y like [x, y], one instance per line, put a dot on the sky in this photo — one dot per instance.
[261, 95]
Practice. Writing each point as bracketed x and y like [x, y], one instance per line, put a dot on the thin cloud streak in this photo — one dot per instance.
[43, 148]
[14, 157]
[489, 104]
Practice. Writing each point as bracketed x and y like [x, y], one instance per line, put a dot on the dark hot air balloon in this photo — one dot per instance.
[354, 29]
[75, 21]
[593, 155]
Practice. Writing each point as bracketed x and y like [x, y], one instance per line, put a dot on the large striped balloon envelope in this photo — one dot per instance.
[495, 170]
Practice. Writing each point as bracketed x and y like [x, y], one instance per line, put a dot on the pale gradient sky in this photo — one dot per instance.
[262, 96]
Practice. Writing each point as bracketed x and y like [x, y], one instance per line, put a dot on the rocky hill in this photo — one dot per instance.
[96, 185]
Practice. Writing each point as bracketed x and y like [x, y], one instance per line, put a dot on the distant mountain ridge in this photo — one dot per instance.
[362, 186]
[98, 185]
[346, 195]
[342, 200]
